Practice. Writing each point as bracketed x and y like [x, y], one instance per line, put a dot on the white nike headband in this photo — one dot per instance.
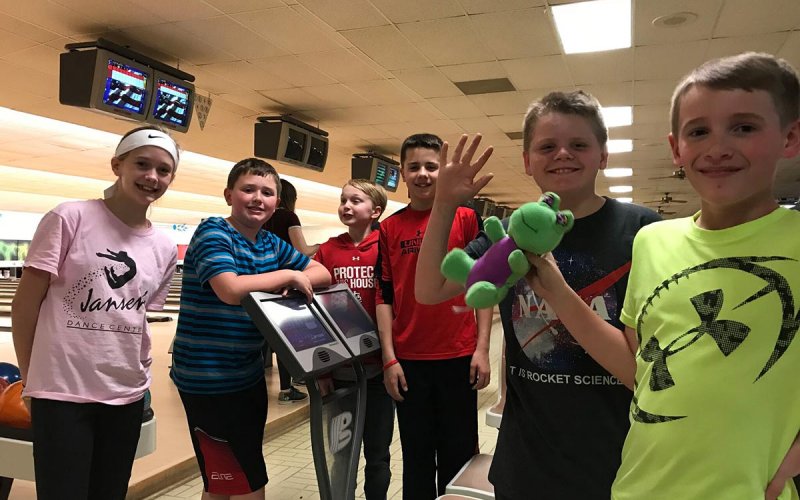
[149, 137]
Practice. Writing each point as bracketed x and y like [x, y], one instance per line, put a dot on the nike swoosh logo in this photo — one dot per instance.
[153, 136]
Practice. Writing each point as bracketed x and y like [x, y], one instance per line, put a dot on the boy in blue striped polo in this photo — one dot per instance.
[217, 362]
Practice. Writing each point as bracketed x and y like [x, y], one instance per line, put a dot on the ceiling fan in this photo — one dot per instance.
[660, 211]
[666, 200]
[679, 174]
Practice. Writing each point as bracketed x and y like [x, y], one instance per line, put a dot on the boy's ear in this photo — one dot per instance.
[228, 195]
[376, 213]
[792, 146]
[604, 158]
[673, 146]
[527, 161]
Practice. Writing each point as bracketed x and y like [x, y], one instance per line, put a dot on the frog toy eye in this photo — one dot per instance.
[548, 199]
[562, 219]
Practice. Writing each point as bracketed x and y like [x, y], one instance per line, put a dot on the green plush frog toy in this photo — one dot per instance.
[535, 227]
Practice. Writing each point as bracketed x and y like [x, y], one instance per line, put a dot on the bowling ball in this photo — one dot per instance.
[13, 411]
[9, 372]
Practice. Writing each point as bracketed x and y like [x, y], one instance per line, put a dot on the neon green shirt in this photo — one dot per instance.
[717, 399]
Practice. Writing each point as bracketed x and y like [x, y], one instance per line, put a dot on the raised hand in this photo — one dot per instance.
[456, 183]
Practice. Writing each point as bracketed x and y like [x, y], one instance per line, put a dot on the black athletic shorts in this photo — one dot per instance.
[227, 433]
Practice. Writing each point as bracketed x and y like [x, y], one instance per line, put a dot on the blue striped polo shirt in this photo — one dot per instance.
[217, 347]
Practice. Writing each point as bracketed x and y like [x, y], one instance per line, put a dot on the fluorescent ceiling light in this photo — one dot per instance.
[617, 116]
[593, 26]
[620, 145]
[618, 172]
[624, 200]
[620, 189]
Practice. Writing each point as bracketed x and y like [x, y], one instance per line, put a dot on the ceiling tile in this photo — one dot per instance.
[744, 17]
[538, 72]
[226, 34]
[427, 82]
[236, 6]
[651, 113]
[791, 50]
[346, 14]
[484, 6]
[288, 30]
[611, 94]
[517, 34]
[388, 47]
[175, 41]
[341, 65]
[722, 47]
[248, 75]
[50, 16]
[509, 123]
[501, 103]
[447, 41]
[295, 99]
[418, 10]
[383, 91]
[293, 70]
[40, 58]
[456, 107]
[655, 62]
[415, 112]
[336, 96]
[119, 13]
[178, 10]
[653, 91]
[645, 33]
[601, 67]
[10, 43]
[474, 71]
[26, 29]
[252, 100]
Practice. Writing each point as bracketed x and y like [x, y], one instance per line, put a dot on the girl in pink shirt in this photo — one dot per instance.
[78, 321]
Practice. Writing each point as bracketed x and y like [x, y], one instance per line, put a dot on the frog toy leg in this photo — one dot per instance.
[457, 265]
[483, 294]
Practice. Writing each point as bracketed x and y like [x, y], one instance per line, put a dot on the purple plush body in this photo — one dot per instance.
[493, 265]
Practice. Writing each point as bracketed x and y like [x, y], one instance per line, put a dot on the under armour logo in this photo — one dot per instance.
[356, 257]
[419, 233]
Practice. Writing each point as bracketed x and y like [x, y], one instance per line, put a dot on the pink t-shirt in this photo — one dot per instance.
[92, 340]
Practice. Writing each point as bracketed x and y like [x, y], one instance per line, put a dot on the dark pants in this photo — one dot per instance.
[438, 423]
[378, 430]
[283, 374]
[84, 450]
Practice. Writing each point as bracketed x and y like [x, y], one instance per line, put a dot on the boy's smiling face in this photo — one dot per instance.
[420, 171]
[729, 142]
[252, 200]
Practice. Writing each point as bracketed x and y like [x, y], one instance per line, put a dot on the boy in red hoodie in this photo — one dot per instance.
[351, 258]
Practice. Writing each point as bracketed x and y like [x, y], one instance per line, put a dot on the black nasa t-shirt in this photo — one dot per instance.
[565, 417]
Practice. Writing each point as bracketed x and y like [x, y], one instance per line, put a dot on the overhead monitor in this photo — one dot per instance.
[393, 179]
[173, 101]
[102, 80]
[349, 318]
[297, 333]
[376, 168]
[292, 141]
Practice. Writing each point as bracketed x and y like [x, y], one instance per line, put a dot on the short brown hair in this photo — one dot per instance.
[748, 71]
[373, 191]
[255, 166]
[576, 102]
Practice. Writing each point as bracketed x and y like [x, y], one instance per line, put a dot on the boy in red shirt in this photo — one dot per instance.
[435, 356]
[351, 258]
